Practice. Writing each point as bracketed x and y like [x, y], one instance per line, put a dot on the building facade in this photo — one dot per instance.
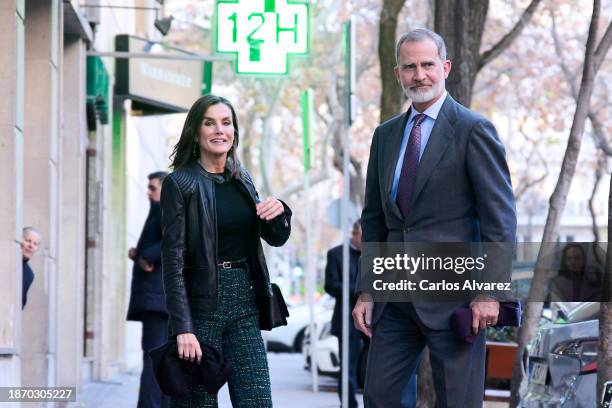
[74, 159]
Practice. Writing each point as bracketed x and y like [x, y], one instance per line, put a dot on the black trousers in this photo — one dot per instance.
[154, 334]
[398, 340]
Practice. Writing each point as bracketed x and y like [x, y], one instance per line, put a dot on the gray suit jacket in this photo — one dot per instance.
[462, 191]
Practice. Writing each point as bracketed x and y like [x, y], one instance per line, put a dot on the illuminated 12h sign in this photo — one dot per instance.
[262, 33]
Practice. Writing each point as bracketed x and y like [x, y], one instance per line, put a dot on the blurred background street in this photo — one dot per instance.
[291, 387]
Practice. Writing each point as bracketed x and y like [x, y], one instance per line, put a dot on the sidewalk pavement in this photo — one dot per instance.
[291, 387]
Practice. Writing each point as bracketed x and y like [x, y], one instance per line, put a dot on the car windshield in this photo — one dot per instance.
[573, 312]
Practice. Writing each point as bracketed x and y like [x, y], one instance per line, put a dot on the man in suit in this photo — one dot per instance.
[436, 173]
[333, 286]
[147, 300]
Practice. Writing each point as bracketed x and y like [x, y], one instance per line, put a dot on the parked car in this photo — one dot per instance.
[560, 367]
[327, 353]
[289, 338]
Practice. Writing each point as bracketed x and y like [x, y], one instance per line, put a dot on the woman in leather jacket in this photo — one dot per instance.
[215, 274]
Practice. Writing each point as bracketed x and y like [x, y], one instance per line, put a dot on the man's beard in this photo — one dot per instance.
[424, 96]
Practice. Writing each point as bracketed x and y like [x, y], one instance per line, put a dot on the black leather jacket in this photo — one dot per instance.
[189, 243]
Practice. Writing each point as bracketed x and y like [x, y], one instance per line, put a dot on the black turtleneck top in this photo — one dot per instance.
[236, 218]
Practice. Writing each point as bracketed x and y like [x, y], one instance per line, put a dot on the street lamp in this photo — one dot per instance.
[161, 24]
[164, 25]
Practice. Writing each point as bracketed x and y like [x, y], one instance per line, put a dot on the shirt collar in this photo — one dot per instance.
[431, 112]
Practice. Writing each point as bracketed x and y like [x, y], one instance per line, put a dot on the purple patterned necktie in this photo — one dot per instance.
[410, 166]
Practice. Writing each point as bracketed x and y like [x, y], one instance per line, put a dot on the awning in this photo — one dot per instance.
[75, 23]
[97, 91]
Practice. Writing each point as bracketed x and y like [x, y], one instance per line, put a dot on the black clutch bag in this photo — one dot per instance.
[176, 376]
[273, 310]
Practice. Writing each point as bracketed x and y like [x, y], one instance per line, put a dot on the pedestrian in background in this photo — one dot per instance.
[333, 286]
[215, 272]
[29, 246]
[147, 300]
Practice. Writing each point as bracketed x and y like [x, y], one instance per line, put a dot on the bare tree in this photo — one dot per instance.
[532, 155]
[604, 355]
[461, 24]
[598, 174]
[597, 128]
[266, 150]
[594, 56]
[391, 96]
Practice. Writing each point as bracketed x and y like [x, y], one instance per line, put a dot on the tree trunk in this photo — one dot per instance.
[604, 356]
[533, 309]
[461, 24]
[391, 96]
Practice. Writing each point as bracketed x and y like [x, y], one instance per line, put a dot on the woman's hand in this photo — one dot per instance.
[269, 209]
[189, 347]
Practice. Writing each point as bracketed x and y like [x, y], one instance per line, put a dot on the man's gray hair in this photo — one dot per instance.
[28, 230]
[421, 34]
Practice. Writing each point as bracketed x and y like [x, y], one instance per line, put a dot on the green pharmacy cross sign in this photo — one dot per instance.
[262, 33]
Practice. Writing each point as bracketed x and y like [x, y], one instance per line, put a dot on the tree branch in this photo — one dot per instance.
[602, 48]
[598, 128]
[298, 186]
[525, 182]
[569, 77]
[506, 40]
[598, 134]
[598, 174]
[264, 156]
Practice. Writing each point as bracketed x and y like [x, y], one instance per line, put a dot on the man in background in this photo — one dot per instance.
[29, 246]
[147, 300]
[333, 286]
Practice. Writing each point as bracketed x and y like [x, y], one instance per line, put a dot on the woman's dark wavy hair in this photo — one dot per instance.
[183, 152]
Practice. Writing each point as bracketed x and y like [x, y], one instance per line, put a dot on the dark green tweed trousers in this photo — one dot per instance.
[234, 329]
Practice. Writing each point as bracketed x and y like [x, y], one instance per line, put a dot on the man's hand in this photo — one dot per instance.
[362, 314]
[132, 252]
[484, 312]
[144, 265]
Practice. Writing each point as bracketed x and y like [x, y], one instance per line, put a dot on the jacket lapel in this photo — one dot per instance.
[441, 135]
